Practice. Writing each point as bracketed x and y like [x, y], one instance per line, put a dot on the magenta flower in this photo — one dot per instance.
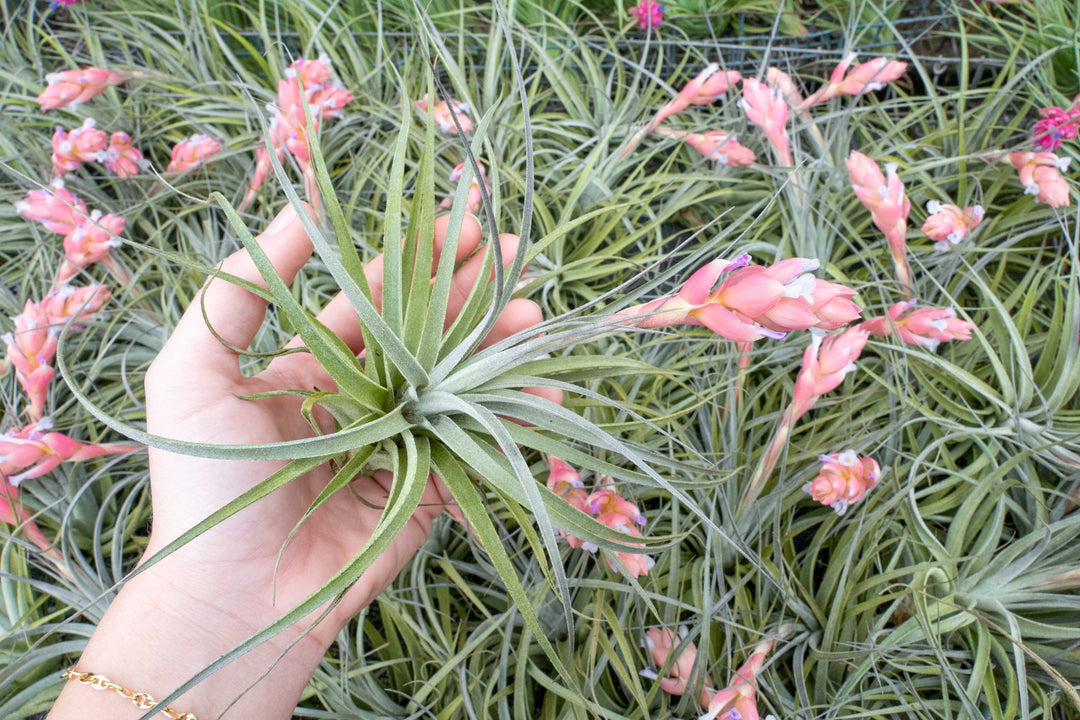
[1056, 126]
[1074, 110]
[843, 481]
[69, 88]
[80, 145]
[57, 209]
[649, 14]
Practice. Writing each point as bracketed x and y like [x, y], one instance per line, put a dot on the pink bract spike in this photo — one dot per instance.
[660, 643]
[56, 208]
[825, 363]
[122, 158]
[69, 88]
[191, 152]
[843, 480]
[71, 149]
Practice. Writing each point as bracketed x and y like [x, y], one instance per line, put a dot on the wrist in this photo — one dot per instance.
[166, 625]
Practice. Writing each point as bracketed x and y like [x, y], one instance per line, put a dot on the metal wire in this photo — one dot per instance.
[742, 51]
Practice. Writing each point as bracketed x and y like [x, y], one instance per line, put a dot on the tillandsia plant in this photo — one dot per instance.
[949, 582]
[417, 389]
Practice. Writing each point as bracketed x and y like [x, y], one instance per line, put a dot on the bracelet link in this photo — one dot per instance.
[141, 700]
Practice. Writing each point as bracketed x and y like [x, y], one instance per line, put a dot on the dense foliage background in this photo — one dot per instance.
[950, 591]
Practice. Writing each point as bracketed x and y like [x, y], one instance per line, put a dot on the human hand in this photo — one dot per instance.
[193, 393]
[227, 584]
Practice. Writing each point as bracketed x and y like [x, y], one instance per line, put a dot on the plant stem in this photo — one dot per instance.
[768, 461]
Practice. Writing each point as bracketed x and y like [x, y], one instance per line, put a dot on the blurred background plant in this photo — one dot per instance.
[949, 589]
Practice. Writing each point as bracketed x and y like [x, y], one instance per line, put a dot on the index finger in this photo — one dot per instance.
[340, 317]
[234, 313]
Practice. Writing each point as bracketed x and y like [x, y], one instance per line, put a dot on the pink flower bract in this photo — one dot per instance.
[122, 158]
[843, 481]
[91, 241]
[661, 643]
[948, 224]
[69, 88]
[767, 108]
[868, 76]
[57, 208]
[35, 451]
[443, 116]
[824, 365]
[71, 149]
[926, 327]
[191, 152]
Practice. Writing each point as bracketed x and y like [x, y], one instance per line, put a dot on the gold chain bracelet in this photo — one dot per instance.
[143, 701]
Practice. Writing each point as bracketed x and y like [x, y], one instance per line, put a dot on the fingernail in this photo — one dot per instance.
[283, 220]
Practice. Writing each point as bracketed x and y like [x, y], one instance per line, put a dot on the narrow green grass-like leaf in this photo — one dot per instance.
[350, 258]
[342, 477]
[324, 446]
[477, 515]
[420, 244]
[334, 355]
[528, 484]
[388, 341]
[432, 337]
[393, 302]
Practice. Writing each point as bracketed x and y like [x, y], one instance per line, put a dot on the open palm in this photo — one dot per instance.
[194, 391]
